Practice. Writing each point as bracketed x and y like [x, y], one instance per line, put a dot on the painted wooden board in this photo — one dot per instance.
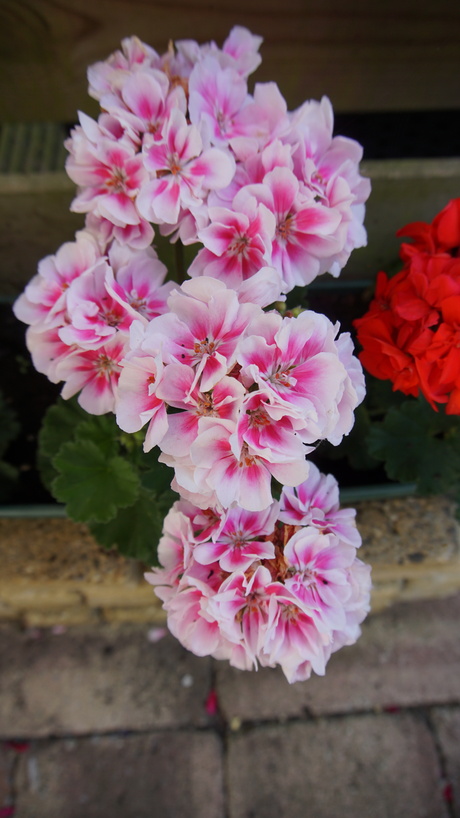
[37, 206]
[392, 55]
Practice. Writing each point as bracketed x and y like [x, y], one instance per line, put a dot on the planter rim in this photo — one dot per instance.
[353, 494]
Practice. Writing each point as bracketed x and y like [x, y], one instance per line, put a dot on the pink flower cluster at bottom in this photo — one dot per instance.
[277, 587]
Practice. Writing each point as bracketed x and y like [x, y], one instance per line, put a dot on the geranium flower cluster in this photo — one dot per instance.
[182, 144]
[411, 333]
[233, 393]
[252, 392]
[79, 308]
[278, 587]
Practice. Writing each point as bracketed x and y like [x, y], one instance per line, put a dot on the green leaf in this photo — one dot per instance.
[418, 444]
[58, 427]
[157, 476]
[354, 446]
[135, 531]
[380, 395]
[101, 430]
[93, 485]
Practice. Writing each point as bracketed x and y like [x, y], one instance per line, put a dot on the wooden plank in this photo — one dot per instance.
[397, 55]
[36, 206]
[403, 191]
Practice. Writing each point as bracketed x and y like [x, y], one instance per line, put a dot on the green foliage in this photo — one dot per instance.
[419, 445]
[354, 446]
[93, 484]
[58, 427]
[136, 530]
[105, 479]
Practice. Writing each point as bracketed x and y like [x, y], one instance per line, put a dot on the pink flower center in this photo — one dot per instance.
[281, 378]
[110, 318]
[258, 418]
[174, 164]
[205, 347]
[284, 228]
[116, 182]
[137, 303]
[291, 613]
[239, 247]
[205, 405]
[105, 365]
[237, 539]
[246, 459]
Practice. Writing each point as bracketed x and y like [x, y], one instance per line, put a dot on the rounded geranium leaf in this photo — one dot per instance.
[92, 485]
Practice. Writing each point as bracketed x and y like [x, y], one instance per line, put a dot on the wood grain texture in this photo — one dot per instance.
[397, 55]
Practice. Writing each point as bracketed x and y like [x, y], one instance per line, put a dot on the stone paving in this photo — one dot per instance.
[111, 722]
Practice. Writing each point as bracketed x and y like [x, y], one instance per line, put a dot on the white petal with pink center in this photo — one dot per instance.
[137, 402]
[184, 173]
[177, 389]
[47, 350]
[315, 502]
[135, 280]
[203, 328]
[239, 540]
[95, 372]
[109, 175]
[296, 365]
[236, 244]
[93, 316]
[45, 297]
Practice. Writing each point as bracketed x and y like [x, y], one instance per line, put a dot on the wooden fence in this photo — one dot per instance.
[365, 55]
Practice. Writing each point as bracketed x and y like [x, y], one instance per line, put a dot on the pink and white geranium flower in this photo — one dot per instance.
[234, 396]
[236, 243]
[296, 364]
[183, 172]
[315, 503]
[306, 231]
[136, 279]
[109, 75]
[45, 297]
[240, 539]
[93, 315]
[144, 103]
[219, 102]
[94, 373]
[236, 472]
[137, 401]
[177, 389]
[108, 173]
[203, 328]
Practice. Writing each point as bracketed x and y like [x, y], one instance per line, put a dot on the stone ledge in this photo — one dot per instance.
[53, 572]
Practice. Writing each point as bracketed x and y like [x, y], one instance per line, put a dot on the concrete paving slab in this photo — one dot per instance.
[358, 766]
[447, 725]
[160, 775]
[406, 656]
[97, 680]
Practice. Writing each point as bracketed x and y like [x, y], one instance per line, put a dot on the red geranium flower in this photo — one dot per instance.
[411, 332]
